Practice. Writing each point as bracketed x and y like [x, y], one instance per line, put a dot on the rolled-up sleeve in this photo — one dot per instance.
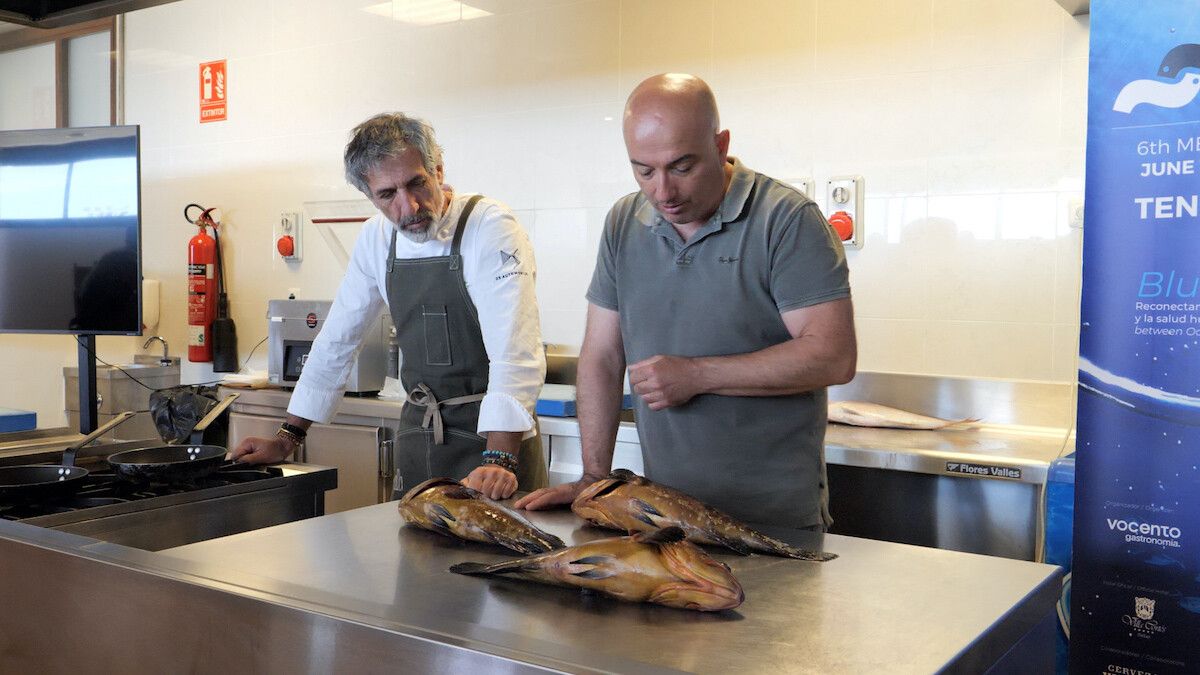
[358, 304]
[501, 277]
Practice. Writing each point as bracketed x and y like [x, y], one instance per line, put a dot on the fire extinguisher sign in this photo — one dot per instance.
[214, 86]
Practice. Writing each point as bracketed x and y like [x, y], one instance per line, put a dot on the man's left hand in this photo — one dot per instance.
[492, 481]
[665, 381]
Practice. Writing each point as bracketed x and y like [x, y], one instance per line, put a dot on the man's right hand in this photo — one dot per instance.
[262, 450]
[550, 497]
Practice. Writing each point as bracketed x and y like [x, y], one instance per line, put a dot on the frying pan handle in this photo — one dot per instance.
[212, 416]
[73, 449]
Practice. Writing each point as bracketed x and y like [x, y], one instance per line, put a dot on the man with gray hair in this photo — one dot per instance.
[457, 274]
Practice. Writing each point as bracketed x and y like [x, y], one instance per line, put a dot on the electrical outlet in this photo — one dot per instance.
[844, 208]
[286, 241]
[805, 185]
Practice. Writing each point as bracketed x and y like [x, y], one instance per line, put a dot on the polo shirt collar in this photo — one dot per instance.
[731, 207]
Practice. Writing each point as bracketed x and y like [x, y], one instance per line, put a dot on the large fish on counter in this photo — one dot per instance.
[863, 414]
[661, 567]
[629, 502]
[448, 507]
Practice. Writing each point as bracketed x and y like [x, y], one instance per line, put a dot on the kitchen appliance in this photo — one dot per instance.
[292, 325]
[155, 516]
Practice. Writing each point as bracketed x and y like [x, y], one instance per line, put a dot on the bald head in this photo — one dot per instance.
[673, 99]
[676, 147]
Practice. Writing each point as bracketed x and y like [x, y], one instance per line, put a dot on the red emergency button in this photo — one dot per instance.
[843, 224]
[286, 246]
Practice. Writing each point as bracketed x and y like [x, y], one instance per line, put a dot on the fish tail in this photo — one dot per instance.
[760, 542]
[965, 422]
[502, 567]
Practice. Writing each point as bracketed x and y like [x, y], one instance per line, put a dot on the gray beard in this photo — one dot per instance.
[418, 237]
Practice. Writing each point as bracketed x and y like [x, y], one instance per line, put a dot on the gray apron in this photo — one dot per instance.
[444, 371]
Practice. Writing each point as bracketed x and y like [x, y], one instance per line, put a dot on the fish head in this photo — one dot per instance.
[589, 505]
[702, 582]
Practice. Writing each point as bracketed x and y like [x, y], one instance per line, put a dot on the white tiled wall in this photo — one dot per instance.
[966, 118]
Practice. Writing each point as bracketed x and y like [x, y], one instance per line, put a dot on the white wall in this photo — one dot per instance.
[966, 118]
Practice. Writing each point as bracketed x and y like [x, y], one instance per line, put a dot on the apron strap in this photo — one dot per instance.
[455, 258]
[422, 397]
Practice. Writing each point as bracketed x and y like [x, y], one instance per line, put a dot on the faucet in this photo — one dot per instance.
[165, 360]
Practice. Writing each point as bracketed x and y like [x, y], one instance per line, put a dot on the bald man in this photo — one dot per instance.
[726, 292]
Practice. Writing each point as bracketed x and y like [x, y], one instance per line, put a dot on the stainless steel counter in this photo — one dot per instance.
[879, 607]
[357, 592]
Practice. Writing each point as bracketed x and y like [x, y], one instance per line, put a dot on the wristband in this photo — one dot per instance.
[289, 437]
[502, 459]
[294, 430]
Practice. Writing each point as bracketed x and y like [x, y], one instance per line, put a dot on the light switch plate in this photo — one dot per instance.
[845, 193]
[805, 185]
[288, 225]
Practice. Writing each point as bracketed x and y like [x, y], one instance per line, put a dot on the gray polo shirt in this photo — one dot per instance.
[766, 250]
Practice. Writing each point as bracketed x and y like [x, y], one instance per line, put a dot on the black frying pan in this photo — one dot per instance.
[174, 463]
[40, 482]
[167, 463]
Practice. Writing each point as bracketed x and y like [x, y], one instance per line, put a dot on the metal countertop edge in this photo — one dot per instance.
[136, 560]
[1010, 627]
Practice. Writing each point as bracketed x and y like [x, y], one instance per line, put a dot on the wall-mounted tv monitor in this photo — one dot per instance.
[70, 231]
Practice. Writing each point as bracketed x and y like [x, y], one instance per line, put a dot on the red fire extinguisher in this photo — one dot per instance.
[202, 280]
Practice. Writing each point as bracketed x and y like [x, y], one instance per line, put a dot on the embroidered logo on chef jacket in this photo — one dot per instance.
[510, 260]
[1169, 90]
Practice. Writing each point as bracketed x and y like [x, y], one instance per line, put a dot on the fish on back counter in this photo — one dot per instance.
[661, 567]
[864, 414]
[448, 507]
[632, 503]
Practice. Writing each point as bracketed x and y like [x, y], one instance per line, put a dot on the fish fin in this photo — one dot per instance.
[624, 475]
[461, 492]
[647, 508]
[643, 518]
[965, 422]
[529, 545]
[732, 544]
[502, 567]
[421, 487]
[667, 535]
[469, 568]
[443, 513]
[591, 560]
[774, 546]
[594, 573]
[611, 484]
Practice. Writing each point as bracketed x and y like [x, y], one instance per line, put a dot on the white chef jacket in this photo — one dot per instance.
[499, 271]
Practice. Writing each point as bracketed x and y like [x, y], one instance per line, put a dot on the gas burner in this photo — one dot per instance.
[105, 488]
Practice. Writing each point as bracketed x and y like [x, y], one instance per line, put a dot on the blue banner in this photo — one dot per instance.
[1135, 604]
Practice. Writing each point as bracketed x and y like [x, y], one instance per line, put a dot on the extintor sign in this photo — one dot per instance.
[214, 86]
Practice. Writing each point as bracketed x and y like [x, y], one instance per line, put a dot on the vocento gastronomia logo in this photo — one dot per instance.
[1136, 531]
[1173, 88]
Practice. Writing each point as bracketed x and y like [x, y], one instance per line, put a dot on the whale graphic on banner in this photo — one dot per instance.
[1165, 94]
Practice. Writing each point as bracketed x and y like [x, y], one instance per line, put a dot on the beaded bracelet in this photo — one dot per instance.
[500, 458]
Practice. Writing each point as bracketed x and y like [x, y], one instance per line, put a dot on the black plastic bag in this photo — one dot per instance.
[177, 410]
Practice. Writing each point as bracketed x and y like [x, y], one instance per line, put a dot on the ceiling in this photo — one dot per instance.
[59, 13]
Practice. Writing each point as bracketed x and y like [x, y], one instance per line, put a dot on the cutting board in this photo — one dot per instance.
[17, 420]
[558, 400]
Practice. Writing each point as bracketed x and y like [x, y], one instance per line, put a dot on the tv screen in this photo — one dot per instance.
[70, 227]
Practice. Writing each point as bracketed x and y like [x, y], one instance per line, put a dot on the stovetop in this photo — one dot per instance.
[105, 488]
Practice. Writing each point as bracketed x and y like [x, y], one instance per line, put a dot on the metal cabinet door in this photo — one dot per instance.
[353, 450]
